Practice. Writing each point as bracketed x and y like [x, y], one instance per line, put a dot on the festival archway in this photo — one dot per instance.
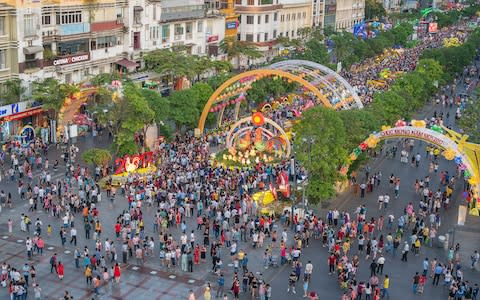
[454, 147]
[329, 88]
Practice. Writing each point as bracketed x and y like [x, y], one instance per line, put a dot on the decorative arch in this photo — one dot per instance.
[223, 93]
[454, 145]
[322, 75]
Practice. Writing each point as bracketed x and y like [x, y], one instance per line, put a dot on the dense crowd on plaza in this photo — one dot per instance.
[403, 60]
[187, 190]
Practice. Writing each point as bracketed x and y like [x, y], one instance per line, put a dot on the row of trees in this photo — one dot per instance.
[326, 137]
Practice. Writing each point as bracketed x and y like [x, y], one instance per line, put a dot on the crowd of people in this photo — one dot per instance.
[203, 213]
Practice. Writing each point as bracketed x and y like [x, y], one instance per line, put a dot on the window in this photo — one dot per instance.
[188, 30]
[28, 26]
[299, 16]
[251, 2]
[275, 17]
[249, 19]
[304, 15]
[266, 2]
[107, 41]
[30, 61]
[282, 18]
[46, 20]
[200, 26]
[3, 59]
[239, 36]
[293, 33]
[288, 17]
[286, 34]
[281, 34]
[238, 2]
[293, 16]
[154, 32]
[2, 26]
[266, 36]
[258, 37]
[267, 18]
[259, 19]
[274, 33]
[249, 37]
[165, 33]
[137, 17]
[178, 31]
[69, 17]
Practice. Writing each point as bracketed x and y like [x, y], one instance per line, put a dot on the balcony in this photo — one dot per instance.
[71, 29]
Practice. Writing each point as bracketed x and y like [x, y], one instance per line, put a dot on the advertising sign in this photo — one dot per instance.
[432, 27]
[232, 25]
[71, 59]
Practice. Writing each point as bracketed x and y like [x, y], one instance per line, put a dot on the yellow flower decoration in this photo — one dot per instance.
[372, 141]
[449, 154]
[474, 180]
[419, 123]
[386, 127]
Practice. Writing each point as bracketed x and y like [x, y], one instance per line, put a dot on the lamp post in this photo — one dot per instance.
[309, 141]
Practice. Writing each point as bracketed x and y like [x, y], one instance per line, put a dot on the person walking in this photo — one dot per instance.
[206, 293]
[386, 285]
[117, 273]
[474, 258]
[60, 270]
[373, 268]
[292, 280]
[380, 264]
[221, 286]
[416, 280]
[406, 248]
[53, 263]
[437, 273]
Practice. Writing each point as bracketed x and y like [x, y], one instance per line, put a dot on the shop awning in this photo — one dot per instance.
[127, 63]
[32, 49]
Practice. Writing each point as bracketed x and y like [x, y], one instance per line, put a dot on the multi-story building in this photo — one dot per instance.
[8, 44]
[318, 13]
[264, 21]
[295, 15]
[186, 23]
[343, 14]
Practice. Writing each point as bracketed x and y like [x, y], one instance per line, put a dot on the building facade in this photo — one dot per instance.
[318, 13]
[8, 44]
[348, 13]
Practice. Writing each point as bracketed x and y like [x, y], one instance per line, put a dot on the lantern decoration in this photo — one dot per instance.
[449, 154]
[258, 119]
[353, 156]
[467, 174]
[400, 123]
[357, 151]
[462, 167]
[418, 123]
[363, 146]
[212, 110]
[437, 128]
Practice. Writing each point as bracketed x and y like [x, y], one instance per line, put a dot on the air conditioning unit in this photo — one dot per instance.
[154, 43]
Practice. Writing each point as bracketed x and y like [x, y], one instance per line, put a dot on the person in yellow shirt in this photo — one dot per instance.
[386, 285]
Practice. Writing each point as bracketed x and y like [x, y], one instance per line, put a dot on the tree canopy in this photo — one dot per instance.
[320, 140]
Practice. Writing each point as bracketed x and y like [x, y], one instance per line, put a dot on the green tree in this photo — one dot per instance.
[236, 49]
[184, 110]
[358, 125]
[97, 157]
[11, 91]
[389, 107]
[470, 120]
[432, 72]
[412, 88]
[104, 78]
[314, 51]
[52, 94]
[160, 105]
[320, 146]
[374, 10]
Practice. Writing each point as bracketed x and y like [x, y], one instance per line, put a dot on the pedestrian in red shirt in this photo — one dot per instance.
[60, 270]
